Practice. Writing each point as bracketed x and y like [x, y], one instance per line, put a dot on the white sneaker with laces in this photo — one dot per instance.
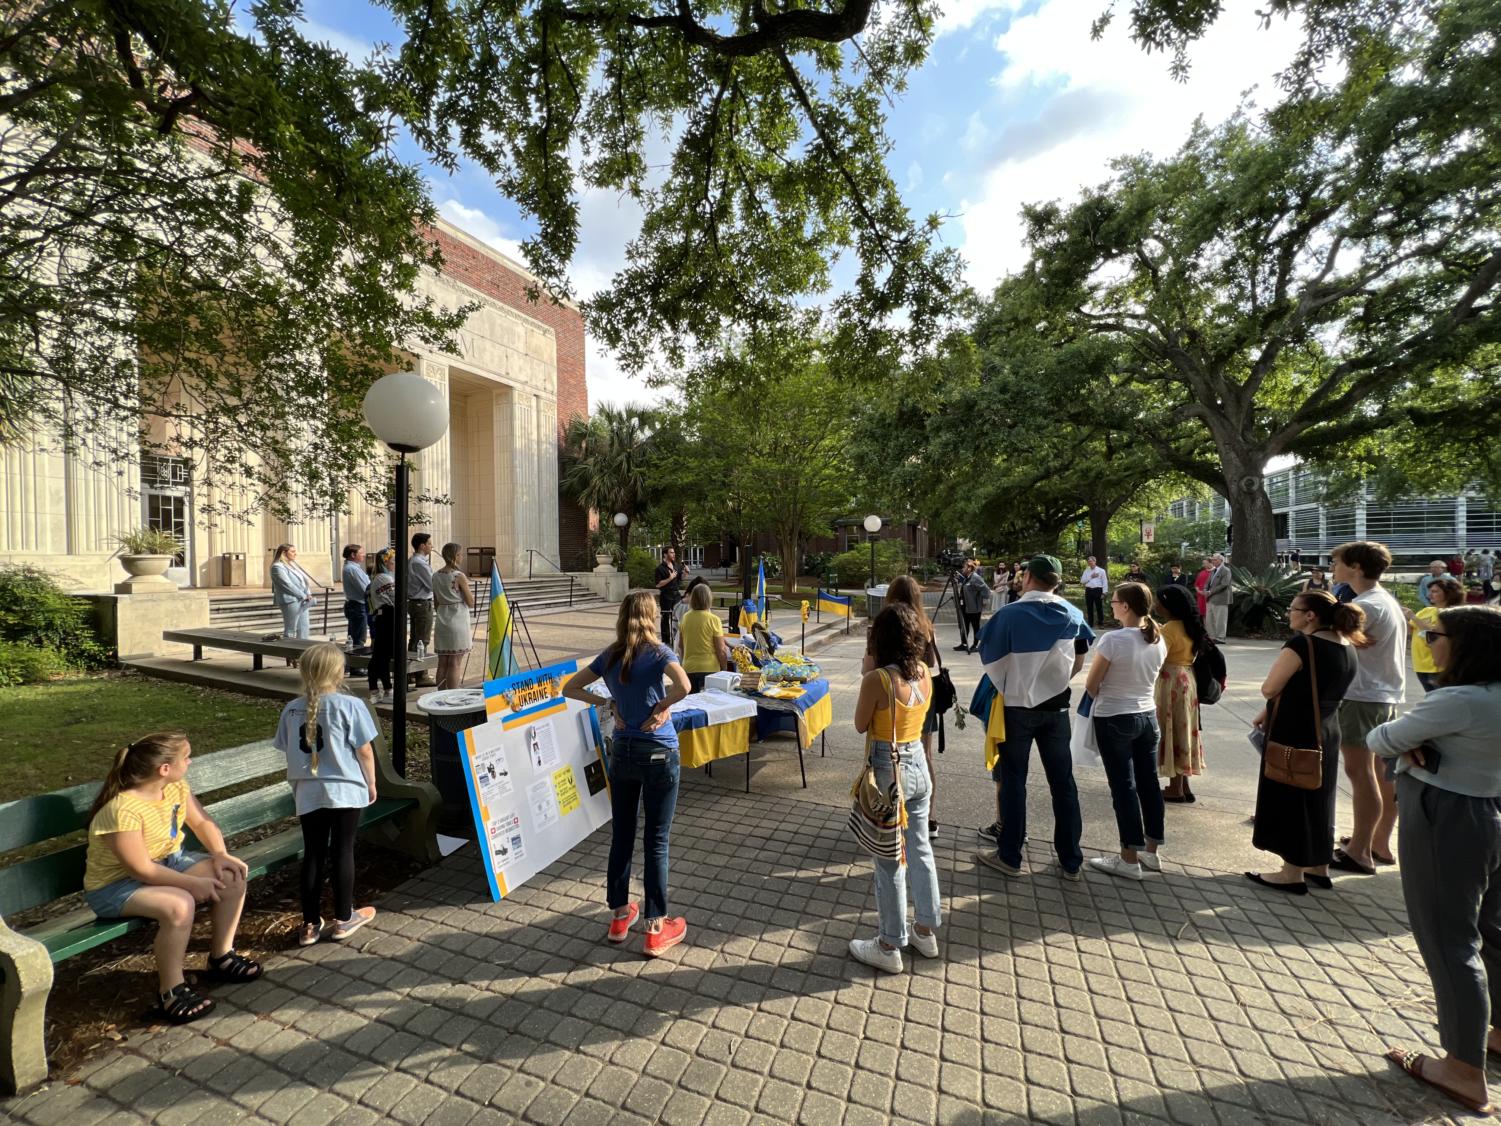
[1150, 861]
[924, 944]
[872, 953]
[1115, 866]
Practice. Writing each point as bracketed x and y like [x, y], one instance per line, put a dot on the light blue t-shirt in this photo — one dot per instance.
[356, 582]
[644, 692]
[344, 725]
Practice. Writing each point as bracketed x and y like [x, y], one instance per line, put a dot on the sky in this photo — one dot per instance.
[1015, 104]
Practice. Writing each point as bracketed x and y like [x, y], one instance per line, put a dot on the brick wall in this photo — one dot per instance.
[484, 271]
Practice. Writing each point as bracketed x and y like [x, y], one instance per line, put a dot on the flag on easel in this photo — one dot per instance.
[761, 590]
[831, 603]
[500, 659]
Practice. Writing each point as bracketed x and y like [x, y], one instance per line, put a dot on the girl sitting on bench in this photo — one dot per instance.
[137, 868]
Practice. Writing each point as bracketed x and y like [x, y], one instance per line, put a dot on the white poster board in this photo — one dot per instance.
[535, 770]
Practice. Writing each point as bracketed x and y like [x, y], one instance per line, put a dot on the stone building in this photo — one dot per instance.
[516, 382]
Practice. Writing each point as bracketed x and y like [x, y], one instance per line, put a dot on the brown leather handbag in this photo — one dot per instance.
[1297, 766]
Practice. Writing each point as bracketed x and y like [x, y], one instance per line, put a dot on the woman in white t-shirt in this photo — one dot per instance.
[1122, 676]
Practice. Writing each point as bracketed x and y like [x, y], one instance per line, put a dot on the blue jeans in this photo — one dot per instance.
[1049, 729]
[354, 614]
[643, 773]
[891, 888]
[1128, 748]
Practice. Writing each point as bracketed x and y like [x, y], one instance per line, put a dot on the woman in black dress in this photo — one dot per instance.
[1298, 825]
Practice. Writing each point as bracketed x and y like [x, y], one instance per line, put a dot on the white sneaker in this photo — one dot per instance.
[871, 952]
[924, 944]
[1115, 866]
[1150, 861]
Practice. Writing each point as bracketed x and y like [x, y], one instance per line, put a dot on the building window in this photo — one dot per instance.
[1483, 526]
[165, 485]
[1339, 523]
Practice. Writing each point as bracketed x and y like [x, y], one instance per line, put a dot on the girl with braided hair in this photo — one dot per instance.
[327, 738]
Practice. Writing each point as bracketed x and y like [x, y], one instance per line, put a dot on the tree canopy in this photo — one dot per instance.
[1294, 281]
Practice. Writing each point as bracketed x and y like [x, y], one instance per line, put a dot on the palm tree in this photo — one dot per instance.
[604, 459]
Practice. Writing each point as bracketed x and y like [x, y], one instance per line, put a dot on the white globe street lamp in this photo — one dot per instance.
[408, 414]
[872, 526]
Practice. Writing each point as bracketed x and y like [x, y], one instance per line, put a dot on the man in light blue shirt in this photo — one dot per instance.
[1436, 570]
[356, 582]
[420, 597]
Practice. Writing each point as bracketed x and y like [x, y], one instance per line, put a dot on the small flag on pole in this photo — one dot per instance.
[831, 603]
[761, 590]
[501, 660]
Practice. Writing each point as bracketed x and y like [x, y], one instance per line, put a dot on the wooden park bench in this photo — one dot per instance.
[288, 648]
[404, 817]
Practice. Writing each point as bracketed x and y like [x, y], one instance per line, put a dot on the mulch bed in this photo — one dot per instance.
[104, 997]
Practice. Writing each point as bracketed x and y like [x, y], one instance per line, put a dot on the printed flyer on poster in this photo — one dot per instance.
[535, 770]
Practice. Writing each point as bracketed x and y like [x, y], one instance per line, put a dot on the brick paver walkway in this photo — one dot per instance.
[1189, 998]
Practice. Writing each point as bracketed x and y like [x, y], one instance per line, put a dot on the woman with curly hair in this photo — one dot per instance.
[1180, 749]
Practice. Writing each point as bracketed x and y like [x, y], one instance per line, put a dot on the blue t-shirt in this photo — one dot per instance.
[644, 692]
[344, 725]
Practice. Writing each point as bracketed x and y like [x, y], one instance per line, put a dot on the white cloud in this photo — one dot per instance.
[960, 15]
[1089, 101]
[357, 49]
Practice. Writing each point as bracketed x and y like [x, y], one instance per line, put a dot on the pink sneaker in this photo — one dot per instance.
[659, 942]
[620, 926]
[343, 928]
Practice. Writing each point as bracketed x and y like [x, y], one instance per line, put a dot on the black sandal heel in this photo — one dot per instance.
[233, 968]
[183, 1005]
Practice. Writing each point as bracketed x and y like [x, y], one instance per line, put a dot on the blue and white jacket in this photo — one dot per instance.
[1027, 648]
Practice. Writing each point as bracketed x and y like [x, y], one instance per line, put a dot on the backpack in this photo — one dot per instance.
[1210, 673]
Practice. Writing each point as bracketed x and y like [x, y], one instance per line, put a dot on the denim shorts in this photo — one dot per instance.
[107, 902]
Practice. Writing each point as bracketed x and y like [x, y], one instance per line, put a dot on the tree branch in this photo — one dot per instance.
[773, 29]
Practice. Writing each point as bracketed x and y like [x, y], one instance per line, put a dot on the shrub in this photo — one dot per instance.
[28, 664]
[852, 568]
[816, 563]
[1261, 600]
[641, 566]
[36, 611]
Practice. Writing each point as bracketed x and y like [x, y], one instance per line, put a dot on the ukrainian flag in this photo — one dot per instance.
[501, 660]
[748, 616]
[761, 591]
[831, 603]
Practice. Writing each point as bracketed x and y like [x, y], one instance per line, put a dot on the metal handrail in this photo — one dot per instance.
[532, 551]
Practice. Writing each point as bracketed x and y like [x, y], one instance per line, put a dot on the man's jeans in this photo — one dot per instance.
[922, 870]
[1094, 605]
[354, 614]
[1128, 748]
[1050, 731]
[643, 773]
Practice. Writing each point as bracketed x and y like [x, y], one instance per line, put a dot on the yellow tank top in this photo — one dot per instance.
[909, 716]
[1180, 647]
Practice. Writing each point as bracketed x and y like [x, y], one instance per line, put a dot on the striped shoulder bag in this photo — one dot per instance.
[879, 816]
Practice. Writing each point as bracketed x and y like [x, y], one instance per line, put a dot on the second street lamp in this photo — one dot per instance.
[408, 414]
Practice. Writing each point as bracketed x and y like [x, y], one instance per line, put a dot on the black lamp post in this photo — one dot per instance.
[408, 414]
[872, 528]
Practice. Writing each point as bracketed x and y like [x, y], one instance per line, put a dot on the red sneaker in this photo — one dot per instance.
[659, 942]
[620, 927]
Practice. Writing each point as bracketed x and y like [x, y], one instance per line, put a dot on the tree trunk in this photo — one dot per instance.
[678, 535]
[789, 564]
[1253, 527]
[1099, 535]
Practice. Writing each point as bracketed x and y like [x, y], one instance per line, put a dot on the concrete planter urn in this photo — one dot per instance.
[145, 566]
[604, 563]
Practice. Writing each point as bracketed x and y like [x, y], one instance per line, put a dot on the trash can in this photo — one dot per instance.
[450, 713]
[232, 568]
[875, 600]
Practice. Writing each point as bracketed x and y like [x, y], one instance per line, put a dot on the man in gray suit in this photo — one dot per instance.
[1217, 595]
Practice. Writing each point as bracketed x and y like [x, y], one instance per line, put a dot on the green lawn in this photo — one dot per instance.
[63, 733]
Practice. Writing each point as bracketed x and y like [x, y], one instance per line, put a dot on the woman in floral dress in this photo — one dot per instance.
[1180, 753]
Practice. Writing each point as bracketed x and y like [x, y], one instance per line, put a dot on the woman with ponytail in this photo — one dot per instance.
[1295, 824]
[327, 738]
[137, 868]
[644, 764]
[1122, 679]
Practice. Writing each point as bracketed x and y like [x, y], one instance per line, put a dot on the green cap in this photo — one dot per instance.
[1048, 565]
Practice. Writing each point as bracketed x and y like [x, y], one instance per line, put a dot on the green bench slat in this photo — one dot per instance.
[28, 821]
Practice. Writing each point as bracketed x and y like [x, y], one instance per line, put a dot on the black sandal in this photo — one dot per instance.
[233, 969]
[183, 1004]
[1343, 863]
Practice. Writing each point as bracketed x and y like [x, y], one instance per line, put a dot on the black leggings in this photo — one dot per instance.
[328, 834]
[382, 632]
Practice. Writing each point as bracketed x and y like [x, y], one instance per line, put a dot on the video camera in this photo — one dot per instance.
[951, 559]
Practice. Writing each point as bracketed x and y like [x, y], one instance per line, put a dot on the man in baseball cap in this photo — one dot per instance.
[1031, 648]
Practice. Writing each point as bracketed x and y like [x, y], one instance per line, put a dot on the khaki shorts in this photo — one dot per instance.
[1357, 718]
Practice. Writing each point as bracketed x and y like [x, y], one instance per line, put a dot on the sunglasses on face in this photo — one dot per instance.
[1430, 635]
